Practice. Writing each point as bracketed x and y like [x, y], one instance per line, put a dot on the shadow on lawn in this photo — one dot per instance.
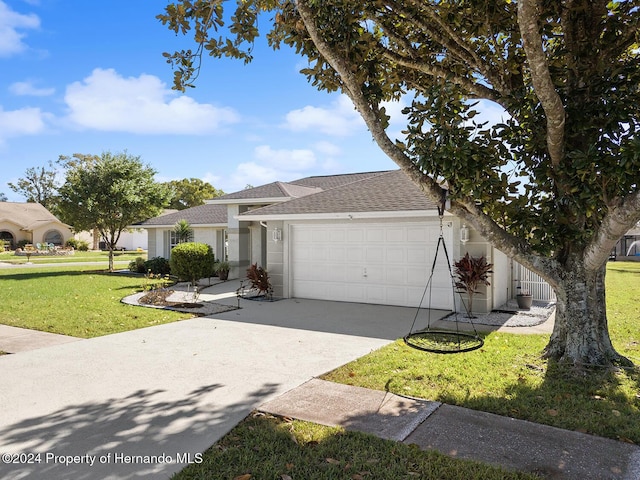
[594, 404]
[10, 275]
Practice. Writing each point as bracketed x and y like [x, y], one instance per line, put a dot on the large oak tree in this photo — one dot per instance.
[554, 186]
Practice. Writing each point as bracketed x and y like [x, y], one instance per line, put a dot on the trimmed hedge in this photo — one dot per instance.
[191, 261]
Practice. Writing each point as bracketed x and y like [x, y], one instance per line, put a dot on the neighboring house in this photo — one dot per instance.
[130, 239]
[366, 237]
[628, 248]
[31, 223]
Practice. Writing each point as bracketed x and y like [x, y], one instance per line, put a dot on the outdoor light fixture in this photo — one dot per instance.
[464, 234]
[276, 235]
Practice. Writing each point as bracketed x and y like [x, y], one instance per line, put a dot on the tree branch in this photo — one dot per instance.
[472, 87]
[528, 13]
[619, 219]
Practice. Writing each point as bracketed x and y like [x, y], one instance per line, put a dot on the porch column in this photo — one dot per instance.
[238, 238]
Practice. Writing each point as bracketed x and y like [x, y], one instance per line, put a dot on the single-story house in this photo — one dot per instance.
[364, 237]
[31, 223]
[628, 248]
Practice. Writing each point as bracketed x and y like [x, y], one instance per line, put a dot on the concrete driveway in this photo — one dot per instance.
[143, 404]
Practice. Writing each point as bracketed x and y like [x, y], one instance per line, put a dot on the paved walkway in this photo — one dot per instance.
[142, 404]
[16, 340]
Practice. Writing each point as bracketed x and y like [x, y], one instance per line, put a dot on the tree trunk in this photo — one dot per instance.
[581, 335]
[111, 258]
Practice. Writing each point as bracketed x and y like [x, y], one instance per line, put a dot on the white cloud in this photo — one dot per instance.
[269, 165]
[11, 22]
[26, 121]
[28, 88]
[327, 148]
[340, 119]
[289, 160]
[108, 101]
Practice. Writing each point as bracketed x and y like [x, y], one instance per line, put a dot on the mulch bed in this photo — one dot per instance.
[159, 298]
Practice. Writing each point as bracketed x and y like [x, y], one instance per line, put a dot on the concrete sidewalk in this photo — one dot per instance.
[16, 340]
[459, 432]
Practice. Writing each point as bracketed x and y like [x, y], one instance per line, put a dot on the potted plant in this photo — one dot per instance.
[524, 298]
[471, 272]
[222, 269]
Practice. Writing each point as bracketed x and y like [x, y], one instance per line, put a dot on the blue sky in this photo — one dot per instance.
[88, 77]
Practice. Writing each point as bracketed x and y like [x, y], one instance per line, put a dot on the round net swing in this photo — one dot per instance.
[438, 340]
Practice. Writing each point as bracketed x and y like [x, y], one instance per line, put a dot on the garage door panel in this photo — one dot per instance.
[395, 254]
[398, 235]
[417, 234]
[370, 263]
[375, 235]
[396, 275]
[417, 255]
[374, 254]
[337, 254]
[355, 235]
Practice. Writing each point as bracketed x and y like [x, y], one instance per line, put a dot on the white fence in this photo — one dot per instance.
[533, 283]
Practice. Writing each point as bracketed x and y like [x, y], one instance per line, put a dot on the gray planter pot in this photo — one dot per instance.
[524, 301]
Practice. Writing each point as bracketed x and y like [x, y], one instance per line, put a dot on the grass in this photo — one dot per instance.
[77, 301]
[264, 447]
[78, 256]
[507, 375]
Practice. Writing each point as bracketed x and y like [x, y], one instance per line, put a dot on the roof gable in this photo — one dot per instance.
[385, 192]
[28, 215]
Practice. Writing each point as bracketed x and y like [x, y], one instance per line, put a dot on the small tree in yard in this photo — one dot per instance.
[110, 193]
[471, 272]
[191, 261]
[554, 184]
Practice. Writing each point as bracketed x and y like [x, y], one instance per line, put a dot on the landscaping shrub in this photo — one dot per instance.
[191, 261]
[259, 279]
[137, 265]
[21, 244]
[157, 266]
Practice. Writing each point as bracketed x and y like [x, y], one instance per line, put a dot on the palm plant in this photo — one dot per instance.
[183, 231]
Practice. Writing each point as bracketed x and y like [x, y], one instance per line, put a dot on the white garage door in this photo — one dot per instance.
[383, 263]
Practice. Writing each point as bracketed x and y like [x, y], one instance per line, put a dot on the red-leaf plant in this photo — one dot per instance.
[259, 279]
[471, 272]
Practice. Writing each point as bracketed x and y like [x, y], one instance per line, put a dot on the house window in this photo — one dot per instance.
[53, 236]
[175, 240]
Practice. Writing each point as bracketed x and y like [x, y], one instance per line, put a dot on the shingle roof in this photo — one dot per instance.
[384, 192]
[200, 215]
[270, 190]
[295, 189]
[332, 181]
[28, 215]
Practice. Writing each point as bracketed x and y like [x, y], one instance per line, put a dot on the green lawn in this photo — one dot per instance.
[78, 301]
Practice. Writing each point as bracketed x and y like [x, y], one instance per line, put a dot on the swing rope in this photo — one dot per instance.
[442, 341]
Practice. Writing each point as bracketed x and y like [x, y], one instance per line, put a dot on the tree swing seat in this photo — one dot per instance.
[441, 340]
